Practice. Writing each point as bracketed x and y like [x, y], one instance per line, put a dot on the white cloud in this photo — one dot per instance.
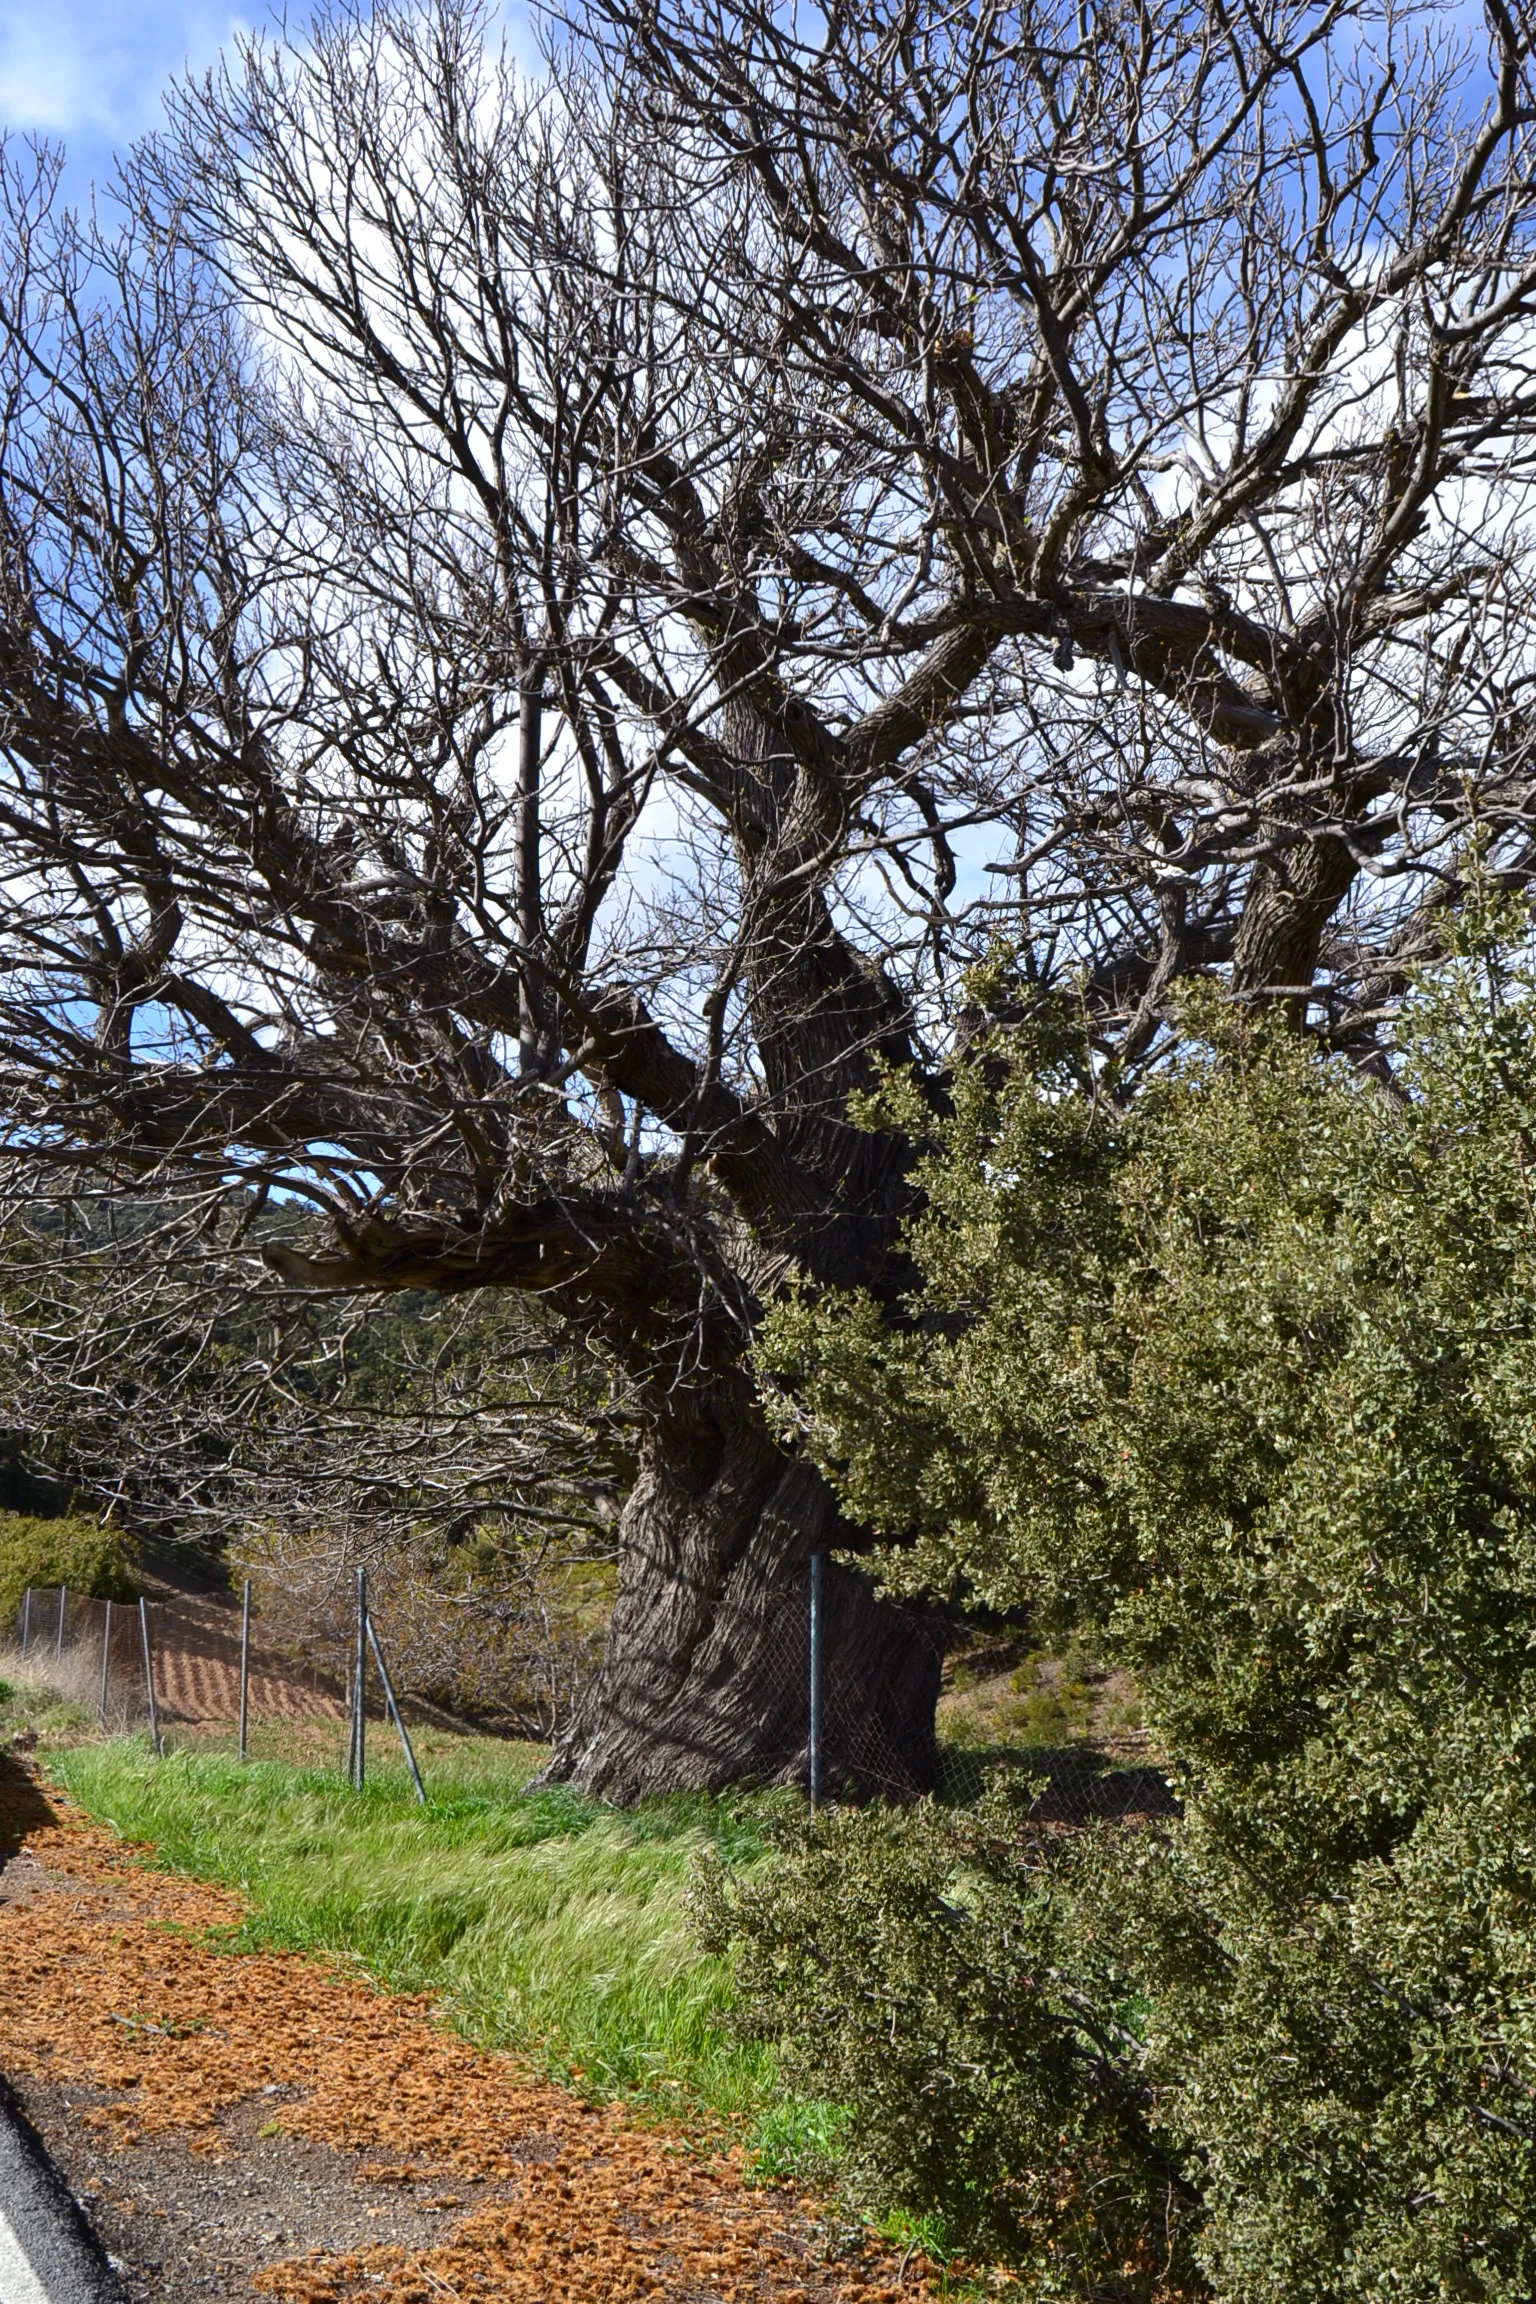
[94, 72]
[41, 83]
[90, 71]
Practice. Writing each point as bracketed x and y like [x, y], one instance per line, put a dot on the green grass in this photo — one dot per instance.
[539, 1921]
[27, 1703]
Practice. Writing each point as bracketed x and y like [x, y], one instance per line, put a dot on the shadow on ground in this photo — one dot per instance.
[23, 1807]
[1078, 1785]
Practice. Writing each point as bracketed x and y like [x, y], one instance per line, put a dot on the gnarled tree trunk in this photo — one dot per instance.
[706, 1679]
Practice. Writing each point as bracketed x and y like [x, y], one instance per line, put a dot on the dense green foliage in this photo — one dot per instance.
[1242, 1385]
[86, 1555]
[537, 1920]
[946, 1986]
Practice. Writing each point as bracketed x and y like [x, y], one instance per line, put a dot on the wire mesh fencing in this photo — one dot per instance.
[162, 1663]
[1069, 1785]
[860, 1707]
[87, 1650]
[845, 1701]
[183, 1662]
[844, 1697]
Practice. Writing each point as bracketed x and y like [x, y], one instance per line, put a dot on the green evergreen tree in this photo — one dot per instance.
[1241, 1383]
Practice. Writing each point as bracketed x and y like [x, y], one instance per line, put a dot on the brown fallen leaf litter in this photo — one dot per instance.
[121, 1982]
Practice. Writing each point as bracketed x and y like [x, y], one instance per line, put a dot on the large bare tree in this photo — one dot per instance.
[545, 623]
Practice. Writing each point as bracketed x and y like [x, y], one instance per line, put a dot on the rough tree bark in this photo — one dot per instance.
[705, 1679]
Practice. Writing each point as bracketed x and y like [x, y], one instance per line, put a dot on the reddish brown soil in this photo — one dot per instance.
[320, 2110]
[197, 1670]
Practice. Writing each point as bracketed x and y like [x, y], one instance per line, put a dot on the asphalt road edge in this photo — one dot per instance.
[66, 2260]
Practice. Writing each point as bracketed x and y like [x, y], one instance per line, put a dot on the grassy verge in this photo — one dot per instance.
[539, 1921]
[33, 1708]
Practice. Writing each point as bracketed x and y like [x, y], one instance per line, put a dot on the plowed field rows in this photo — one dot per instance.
[197, 1671]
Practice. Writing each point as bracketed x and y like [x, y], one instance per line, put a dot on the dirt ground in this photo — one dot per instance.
[258, 2124]
[196, 1640]
[198, 1669]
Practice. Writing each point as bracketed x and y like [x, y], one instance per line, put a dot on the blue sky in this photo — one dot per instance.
[89, 73]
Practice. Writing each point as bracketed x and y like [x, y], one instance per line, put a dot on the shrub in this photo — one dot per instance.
[1241, 1383]
[84, 1554]
[944, 1977]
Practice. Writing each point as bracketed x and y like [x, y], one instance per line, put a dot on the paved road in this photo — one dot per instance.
[48, 2254]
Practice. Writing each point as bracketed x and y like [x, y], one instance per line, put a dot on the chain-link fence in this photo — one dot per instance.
[178, 1657]
[1071, 1785]
[858, 1713]
[181, 1662]
[851, 1694]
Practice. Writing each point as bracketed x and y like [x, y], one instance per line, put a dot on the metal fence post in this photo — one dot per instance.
[394, 1712]
[106, 1661]
[149, 1680]
[245, 1662]
[359, 1686]
[26, 1623]
[815, 1741]
[58, 1646]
